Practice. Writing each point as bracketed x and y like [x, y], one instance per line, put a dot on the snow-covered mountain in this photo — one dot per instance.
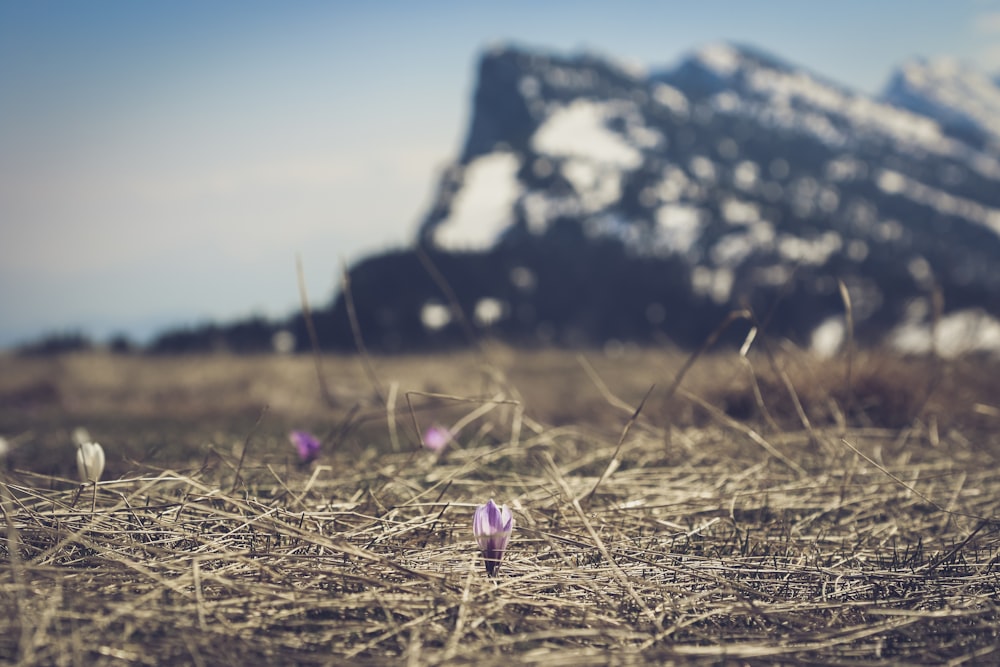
[595, 202]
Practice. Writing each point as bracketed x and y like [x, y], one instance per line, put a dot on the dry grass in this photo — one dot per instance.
[740, 523]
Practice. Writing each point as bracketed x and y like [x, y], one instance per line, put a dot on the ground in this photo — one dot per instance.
[669, 507]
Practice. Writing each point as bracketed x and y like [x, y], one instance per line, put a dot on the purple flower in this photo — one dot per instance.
[436, 438]
[306, 444]
[492, 526]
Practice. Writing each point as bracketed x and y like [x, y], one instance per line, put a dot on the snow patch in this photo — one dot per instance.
[540, 209]
[746, 175]
[483, 208]
[703, 169]
[596, 186]
[739, 212]
[489, 311]
[675, 184]
[672, 99]
[895, 183]
[434, 315]
[846, 168]
[961, 332]
[678, 227]
[809, 251]
[731, 250]
[716, 284]
[952, 91]
[580, 130]
[720, 58]
[828, 337]
[797, 90]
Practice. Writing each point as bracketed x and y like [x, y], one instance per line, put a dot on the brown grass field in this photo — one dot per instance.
[767, 509]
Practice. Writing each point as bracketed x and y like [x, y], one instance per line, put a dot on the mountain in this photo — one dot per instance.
[594, 203]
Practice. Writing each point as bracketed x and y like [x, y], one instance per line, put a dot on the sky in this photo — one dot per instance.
[163, 164]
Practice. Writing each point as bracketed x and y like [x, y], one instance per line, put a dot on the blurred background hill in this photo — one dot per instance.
[560, 177]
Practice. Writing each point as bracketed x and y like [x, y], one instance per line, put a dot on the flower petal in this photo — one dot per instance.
[492, 526]
[306, 445]
[90, 461]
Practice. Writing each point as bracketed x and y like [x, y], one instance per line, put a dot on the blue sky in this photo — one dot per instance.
[162, 163]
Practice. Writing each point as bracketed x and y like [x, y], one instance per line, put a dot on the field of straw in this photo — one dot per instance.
[719, 509]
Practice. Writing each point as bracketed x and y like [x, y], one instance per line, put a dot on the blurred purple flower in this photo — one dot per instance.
[306, 444]
[436, 438]
[492, 526]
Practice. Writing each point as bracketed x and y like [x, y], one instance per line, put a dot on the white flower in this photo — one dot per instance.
[81, 436]
[90, 461]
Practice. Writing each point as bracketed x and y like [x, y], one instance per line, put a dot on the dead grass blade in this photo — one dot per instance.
[324, 390]
[359, 339]
[615, 460]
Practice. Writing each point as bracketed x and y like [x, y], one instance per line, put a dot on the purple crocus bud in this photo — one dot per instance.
[492, 526]
[306, 444]
[436, 438]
